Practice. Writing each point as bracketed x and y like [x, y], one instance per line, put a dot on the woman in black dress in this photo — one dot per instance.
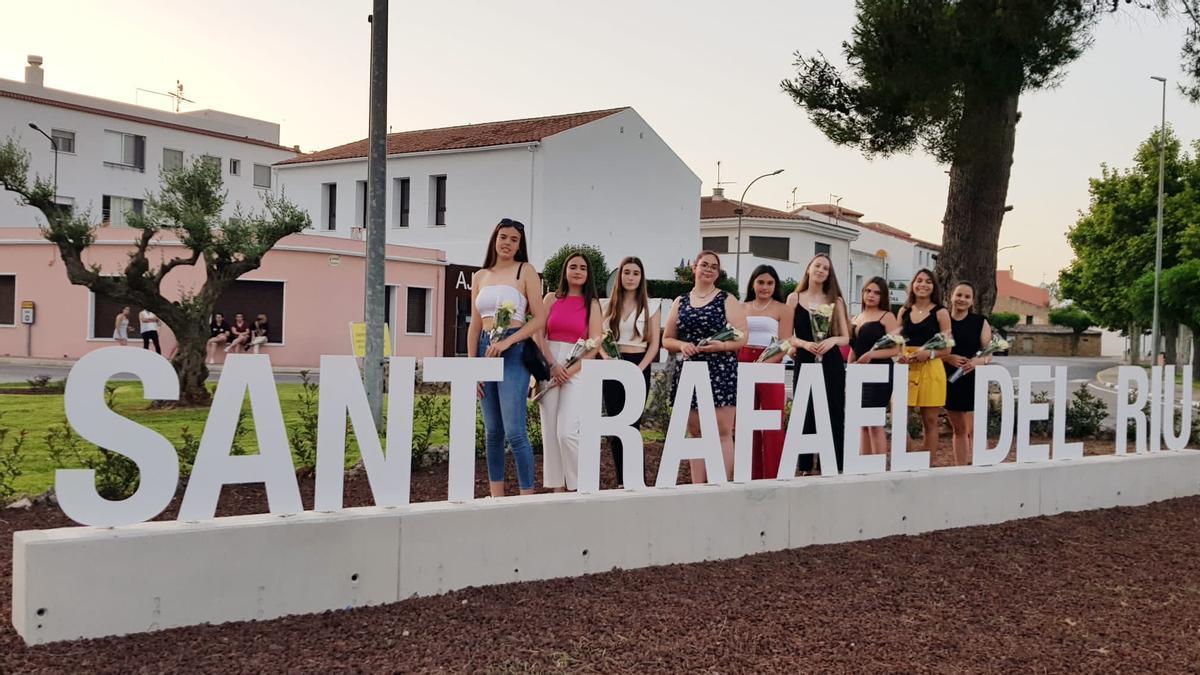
[871, 324]
[819, 288]
[921, 318]
[695, 316]
[971, 334]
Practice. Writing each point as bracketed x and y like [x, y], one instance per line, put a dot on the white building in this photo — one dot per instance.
[603, 178]
[786, 241]
[110, 153]
[880, 250]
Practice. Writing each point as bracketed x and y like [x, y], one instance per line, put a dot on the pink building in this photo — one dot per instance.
[310, 287]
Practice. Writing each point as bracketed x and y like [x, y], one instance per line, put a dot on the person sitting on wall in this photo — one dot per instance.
[258, 333]
[218, 334]
[240, 331]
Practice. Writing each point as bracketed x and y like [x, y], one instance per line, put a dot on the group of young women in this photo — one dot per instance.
[551, 325]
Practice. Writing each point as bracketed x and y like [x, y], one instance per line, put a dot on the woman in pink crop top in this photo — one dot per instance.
[573, 313]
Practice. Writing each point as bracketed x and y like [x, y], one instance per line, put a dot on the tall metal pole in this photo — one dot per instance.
[376, 190]
[737, 256]
[1162, 153]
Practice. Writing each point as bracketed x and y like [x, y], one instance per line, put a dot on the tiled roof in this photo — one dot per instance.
[834, 210]
[712, 209]
[461, 137]
[1008, 287]
[138, 119]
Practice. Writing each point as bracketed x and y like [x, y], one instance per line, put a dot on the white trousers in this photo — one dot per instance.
[561, 428]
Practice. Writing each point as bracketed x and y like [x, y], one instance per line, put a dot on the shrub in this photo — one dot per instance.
[430, 412]
[39, 383]
[1004, 320]
[667, 288]
[1071, 317]
[533, 425]
[554, 265]
[10, 466]
[189, 445]
[725, 282]
[116, 475]
[303, 435]
[658, 400]
[1085, 415]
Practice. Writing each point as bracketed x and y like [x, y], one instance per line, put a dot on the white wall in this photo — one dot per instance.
[863, 266]
[83, 175]
[801, 248]
[615, 184]
[481, 188]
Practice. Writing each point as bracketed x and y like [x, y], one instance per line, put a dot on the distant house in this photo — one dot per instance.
[1031, 303]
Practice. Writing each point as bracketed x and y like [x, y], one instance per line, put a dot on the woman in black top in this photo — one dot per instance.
[820, 287]
[866, 329]
[921, 318]
[971, 334]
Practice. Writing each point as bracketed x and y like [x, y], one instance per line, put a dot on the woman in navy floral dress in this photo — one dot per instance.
[701, 313]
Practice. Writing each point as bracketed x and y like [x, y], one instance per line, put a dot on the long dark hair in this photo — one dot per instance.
[522, 255]
[589, 284]
[758, 272]
[616, 305]
[935, 296]
[884, 298]
[830, 289]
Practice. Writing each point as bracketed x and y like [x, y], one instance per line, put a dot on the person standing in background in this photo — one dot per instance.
[121, 327]
[149, 328]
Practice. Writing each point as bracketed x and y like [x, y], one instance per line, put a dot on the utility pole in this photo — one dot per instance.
[1162, 154]
[376, 190]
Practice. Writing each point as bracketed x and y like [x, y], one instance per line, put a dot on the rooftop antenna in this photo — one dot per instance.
[722, 182]
[176, 96]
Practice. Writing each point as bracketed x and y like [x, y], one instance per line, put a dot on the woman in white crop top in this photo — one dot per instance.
[506, 276]
[635, 326]
[769, 319]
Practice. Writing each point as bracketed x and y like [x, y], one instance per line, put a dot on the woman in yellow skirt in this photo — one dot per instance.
[921, 318]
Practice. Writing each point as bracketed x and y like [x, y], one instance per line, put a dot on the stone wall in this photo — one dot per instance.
[1052, 341]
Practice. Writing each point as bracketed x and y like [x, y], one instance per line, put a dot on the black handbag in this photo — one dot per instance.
[534, 362]
[532, 356]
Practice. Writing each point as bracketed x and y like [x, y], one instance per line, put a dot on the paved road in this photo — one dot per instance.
[10, 372]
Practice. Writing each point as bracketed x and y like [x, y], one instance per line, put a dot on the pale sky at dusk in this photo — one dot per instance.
[706, 78]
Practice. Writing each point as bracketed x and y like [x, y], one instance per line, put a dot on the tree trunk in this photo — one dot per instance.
[1195, 361]
[190, 367]
[979, 173]
[1170, 343]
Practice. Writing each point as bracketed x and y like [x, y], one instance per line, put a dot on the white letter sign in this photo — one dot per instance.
[619, 423]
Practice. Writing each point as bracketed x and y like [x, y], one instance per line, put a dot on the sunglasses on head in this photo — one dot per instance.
[515, 224]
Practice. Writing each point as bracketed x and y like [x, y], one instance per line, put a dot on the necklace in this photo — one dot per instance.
[759, 309]
[705, 296]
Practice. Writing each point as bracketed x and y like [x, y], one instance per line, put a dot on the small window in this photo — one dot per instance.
[172, 159]
[125, 150]
[262, 176]
[771, 247]
[715, 244]
[821, 247]
[63, 140]
[116, 210]
[1028, 319]
[209, 160]
[254, 297]
[400, 201]
[8, 300]
[438, 200]
[235, 167]
[360, 200]
[418, 320]
[329, 205]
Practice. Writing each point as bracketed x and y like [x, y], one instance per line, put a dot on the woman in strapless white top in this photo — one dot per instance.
[766, 316]
[635, 325]
[506, 276]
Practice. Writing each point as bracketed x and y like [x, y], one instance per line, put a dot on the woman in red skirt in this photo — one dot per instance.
[766, 315]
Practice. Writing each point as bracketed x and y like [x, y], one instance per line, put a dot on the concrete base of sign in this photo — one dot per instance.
[88, 582]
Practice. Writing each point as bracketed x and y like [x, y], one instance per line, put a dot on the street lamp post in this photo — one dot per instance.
[53, 146]
[1162, 152]
[740, 211]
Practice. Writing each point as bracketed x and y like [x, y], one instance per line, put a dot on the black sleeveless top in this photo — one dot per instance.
[966, 335]
[919, 333]
[864, 339]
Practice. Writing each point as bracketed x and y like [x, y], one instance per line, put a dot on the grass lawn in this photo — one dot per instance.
[37, 413]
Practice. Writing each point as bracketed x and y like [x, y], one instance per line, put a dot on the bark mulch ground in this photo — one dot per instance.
[1103, 591]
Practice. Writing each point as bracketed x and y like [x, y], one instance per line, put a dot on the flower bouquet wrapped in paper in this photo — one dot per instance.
[998, 344]
[938, 341]
[726, 333]
[821, 318]
[580, 348]
[889, 341]
[776, 347]
[503, 320]
[609, 345]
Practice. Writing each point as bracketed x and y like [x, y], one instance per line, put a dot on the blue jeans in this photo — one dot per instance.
[504, 406]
